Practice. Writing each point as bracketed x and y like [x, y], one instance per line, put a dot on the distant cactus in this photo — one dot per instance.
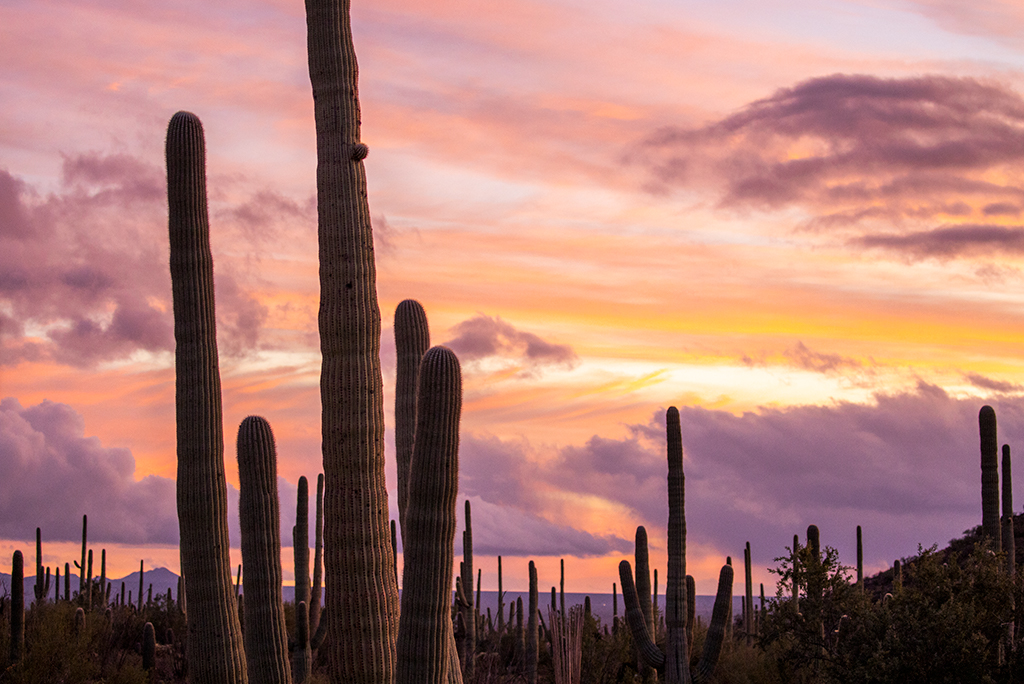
[81, 567]
[468, 610]
[79, 626]
[989, 476]
[42, 586]
[643, 578]
[265, 637]
[675, 659]
[501, 600]
[425, 631]
[214, 635]
[301, 542]
[1009, 538]
[316, 593]
[17, 607]
[748, 599]
[104, 591]
[148, 647]
[412, 339]
[532, 637]
[860, 560]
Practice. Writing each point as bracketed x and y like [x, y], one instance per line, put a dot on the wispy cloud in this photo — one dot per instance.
[484, 337]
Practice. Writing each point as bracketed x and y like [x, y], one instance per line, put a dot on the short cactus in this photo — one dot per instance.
[532, 636]
[675, 659]
[989, 476]
[265, 638]
[17, 607]
[148, 647]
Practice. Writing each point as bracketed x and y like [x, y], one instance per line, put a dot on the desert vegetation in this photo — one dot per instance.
[946, 615]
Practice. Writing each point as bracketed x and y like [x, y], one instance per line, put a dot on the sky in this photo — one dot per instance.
[800, 222]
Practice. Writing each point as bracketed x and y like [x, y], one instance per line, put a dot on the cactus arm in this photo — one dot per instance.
[649, 653]
[720, 615]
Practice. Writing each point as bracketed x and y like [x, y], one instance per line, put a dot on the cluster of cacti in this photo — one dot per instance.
[674, 660]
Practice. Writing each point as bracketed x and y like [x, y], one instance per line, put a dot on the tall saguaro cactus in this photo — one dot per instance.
[425, 632]
[1009, 538]
[675, 659]
[362, 593]
[214, 635]
[300, 542]
[468, 608]
[266, 640]
[989, 476]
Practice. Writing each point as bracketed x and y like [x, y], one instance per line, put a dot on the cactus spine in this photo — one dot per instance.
[362, 594]
[265, 638]
[989, 476]
[425, 631]
[675, 660]
[215, 643]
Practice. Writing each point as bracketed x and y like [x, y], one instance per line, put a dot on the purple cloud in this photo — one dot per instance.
[483, 337]
[950, 241]
[855, 150]
[84, 270]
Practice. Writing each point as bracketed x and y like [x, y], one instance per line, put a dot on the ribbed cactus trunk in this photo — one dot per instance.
[362, 593]
[214, 636]
[81, 574]
[425, 631]
[412, 339]
[316, 593]
[989, 476]
[17, 620]
[266, 640]
[300, 543]
[643, 577]
[501, 601]
[532, 635]
[1008, 536]
[303, 664]
[468, 608]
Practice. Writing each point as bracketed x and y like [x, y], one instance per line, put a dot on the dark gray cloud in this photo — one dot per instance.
[986, 383]
[484, 337]
[948, 242]
[84, 270]
[853, 150]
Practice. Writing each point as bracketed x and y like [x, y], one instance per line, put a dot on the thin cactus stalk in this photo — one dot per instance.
[501, 601]
[300, 544]
[615, 606]
[303, 664]
[748, 605]
[425, 631]
[104, 591]
[142, 574]
[81, 574]
[796, 573]
[148, 647]
[561, 586]
[42, 586]
[1008, 536]
[238, 579]
[675, 659]
[860, 560]
[214, 634]
[520, 631]
[532, 637]
[989, 476]
[265, 636]
[691, 610]
[89, 585]
[412, 339]
[897, 576]
[56, 584]
[316, 592]
[362, 594]
[394, 548]
[554, 599]
[469, 609]
[17, 607]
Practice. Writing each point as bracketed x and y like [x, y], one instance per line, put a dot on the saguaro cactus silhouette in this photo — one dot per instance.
[425, 632]
[675, 659]
[362, 593]
[412, 339]
[214, 635]
[989, 476]
[266, 643]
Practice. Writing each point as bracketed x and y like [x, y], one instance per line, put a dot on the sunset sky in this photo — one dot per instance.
[801, 222]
